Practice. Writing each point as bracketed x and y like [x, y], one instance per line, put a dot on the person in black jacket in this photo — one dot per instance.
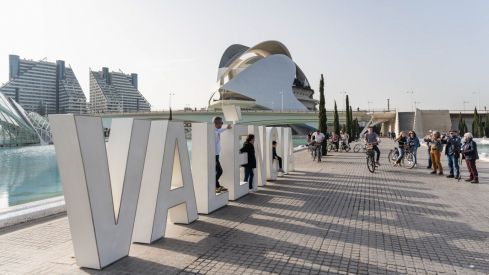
[250, 149]
[277, 157]
[470, 154]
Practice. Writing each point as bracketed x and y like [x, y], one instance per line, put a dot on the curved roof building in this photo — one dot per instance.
[261, 77]
[15, 127]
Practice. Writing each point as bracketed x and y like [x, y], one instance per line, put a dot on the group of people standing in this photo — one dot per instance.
[248, 147]
[456, 148]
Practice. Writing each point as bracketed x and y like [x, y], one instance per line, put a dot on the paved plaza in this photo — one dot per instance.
[332, 217]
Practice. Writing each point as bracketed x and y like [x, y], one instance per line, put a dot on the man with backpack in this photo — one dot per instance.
[452, 151]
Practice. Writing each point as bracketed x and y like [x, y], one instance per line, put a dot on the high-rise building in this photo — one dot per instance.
[44, 87]
[115, 92]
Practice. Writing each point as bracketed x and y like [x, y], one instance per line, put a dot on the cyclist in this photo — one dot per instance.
[371, 138]
[402, 141]
[318, 139]
[344, 139]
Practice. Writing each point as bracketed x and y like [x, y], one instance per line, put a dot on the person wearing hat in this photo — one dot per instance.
[470, 154]
[452, 151]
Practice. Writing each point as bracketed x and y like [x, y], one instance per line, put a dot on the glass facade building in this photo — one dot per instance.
[44, 87]
[15, 127]
[115, 92]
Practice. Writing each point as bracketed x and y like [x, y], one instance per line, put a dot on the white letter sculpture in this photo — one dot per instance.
[271, 135]
[100, 184]
[261, 168]
[167, 183]
[204, 169]
[288, 150]
[230, 143]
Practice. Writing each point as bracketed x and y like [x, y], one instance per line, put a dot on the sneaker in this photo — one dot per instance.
[251, 190]
[433, 172]
[223, 189]
[450, 176]
[428, 167]
[469, 180]
[218, 189]
[475, 181]
[440, 173]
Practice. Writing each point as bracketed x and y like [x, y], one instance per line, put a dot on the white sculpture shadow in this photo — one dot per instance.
[231, 178]
[167, 184]
[100, 183]
[204, 169]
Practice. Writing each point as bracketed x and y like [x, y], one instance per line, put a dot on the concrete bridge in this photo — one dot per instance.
[390, 121]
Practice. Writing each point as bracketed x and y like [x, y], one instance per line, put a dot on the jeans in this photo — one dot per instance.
[401, 155]
[377, 151]
[248, 176]
[414, 151]
[453, 165]
[218, 171]
[430, 163]
[435, 158]
[472, 169]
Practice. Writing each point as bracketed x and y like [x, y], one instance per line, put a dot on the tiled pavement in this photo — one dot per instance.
[331, 217]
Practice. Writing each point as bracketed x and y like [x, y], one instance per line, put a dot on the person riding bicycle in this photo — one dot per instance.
[344, 139]
[317, 142]
[372, 139]
[402, 141]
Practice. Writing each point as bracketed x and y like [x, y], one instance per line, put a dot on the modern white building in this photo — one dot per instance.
[115, 92]
[262, 77]
[44, 87]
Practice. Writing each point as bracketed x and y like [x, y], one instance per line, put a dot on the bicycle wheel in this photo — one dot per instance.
[409, 163]
[357, 148]
[370, 163]
[330, 147]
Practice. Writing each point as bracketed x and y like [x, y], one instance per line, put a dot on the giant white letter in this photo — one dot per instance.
[100, 184]
[167, 183]
[230, 141]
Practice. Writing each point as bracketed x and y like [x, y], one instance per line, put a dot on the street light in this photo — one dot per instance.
[415, 104]
[411, 92]
[478, 99]
[169, 103]
[282, 95]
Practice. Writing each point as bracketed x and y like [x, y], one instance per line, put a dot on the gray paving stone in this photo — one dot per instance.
[330, 217]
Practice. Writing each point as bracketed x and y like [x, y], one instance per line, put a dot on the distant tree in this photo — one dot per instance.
[347, 116]
[476, 124]
[323, 127]
[336, 121]
[460, 124]
[486, 126]
[352, 125]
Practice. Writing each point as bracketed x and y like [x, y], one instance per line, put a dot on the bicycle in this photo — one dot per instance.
[359, 147]
[408, 159]
[370, 158]
[316, 154]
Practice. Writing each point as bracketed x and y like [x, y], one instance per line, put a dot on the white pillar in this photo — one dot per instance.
[288, 149]
[271, 135]
[167, 185]
[231, 178]
[204, 169]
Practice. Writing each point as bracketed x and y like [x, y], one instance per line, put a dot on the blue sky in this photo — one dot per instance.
[373, 50]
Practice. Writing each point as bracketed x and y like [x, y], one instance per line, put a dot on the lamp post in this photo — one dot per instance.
[411, 93]
[169, 102]
[478, 99]
[369, 102]
[282, 96]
